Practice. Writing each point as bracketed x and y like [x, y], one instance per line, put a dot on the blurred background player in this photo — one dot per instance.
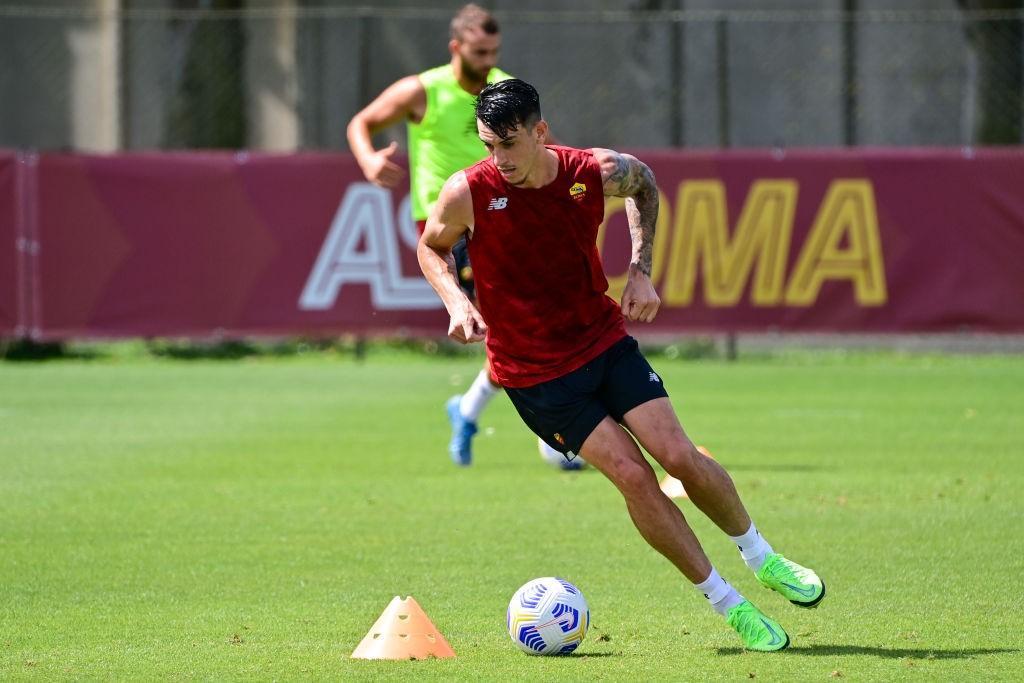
[437, 107]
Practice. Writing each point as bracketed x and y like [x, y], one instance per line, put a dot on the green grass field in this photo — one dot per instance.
[251, 519]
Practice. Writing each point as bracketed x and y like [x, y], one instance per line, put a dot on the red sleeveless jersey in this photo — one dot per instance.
[539, 281]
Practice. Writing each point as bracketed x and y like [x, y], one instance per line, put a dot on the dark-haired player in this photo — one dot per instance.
[558, 343]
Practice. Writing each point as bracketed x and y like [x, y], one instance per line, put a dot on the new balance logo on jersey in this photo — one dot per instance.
[655, 378]
[497, 203]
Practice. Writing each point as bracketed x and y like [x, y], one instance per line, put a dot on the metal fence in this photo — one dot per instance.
[287, 74]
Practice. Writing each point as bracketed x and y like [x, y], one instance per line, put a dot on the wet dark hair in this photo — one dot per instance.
[506, 105]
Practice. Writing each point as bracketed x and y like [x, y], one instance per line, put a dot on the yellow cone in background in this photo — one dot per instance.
[672, 487]
[403, 631]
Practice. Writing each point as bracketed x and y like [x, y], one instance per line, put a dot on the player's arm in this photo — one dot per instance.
[626, 176]
[403, 99]
[450, 219]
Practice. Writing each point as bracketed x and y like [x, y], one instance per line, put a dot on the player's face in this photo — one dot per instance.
[516, 154]
[478, 52]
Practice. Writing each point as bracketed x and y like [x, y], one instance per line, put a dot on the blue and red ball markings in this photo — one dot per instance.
[566, 624]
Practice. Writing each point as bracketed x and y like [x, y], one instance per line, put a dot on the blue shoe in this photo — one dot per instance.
[460, 448]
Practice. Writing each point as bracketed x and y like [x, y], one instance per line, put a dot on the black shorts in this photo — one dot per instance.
[564, 411]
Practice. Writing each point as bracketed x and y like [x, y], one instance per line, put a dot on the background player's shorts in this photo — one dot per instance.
[564, 411]
[462, 264]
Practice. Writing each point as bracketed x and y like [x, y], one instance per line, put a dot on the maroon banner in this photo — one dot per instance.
[193, 244]
[9, 245]
[892, 240]
[220, 244]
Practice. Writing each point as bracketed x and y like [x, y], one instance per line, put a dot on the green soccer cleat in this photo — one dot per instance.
[757, 631]
[800, 585]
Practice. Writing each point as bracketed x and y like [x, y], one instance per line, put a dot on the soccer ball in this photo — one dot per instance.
[556, 459]
[548, 616]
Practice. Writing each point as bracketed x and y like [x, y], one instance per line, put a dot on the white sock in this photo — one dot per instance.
[719, 592]
[477, 396]
[753, 548]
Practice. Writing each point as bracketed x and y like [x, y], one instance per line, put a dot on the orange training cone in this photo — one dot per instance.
[672, 487]
[403, 631]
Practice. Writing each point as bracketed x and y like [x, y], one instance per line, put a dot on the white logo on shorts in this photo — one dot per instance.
[655, 378]
[498, 203]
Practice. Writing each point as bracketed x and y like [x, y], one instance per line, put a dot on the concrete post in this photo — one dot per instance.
[271, 77]
[95, 80]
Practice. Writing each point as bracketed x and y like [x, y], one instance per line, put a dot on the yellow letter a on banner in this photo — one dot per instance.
[848, 210]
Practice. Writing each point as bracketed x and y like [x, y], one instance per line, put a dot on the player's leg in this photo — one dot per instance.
[612, 451]
[708, 485]
[569, 415]
[661, 523]
[566, 414]
[484, 388]
[464, 409]
[657, 428]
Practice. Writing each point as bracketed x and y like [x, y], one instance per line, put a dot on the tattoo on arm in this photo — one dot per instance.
[633, 180]
[619, 175]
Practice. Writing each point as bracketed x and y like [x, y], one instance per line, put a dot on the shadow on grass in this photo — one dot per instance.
[884, 652]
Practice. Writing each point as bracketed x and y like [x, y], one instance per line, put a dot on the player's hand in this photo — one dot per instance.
[467, 326]
[380, 170]
[639, 299]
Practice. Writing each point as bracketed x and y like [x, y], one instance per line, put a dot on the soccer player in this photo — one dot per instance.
[559, 346]
[437, 106]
